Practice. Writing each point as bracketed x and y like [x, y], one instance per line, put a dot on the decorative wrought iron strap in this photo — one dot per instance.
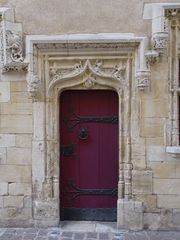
[78, 119]
[72, 192]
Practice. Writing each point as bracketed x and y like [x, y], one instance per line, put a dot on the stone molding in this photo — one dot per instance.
[95, 43]
[11, 43]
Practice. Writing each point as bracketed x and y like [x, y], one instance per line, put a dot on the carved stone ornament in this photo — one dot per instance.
[14, 47]
[160, 41]
[89, 71]
[152, 57]
[89, 83]
[33, 85]
[11, 48]
[16, 67]
[173, 12]
[143, 79]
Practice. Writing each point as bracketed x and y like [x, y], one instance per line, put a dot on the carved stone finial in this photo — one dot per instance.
[160, 41]
[33, 85]
[152, 57]
[143, 79]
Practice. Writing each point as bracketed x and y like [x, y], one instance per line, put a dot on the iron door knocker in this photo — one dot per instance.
[83, 133]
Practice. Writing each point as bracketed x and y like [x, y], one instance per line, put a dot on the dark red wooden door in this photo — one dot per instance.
[89, 155]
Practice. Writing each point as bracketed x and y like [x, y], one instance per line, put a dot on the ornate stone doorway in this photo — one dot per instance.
[76, 64]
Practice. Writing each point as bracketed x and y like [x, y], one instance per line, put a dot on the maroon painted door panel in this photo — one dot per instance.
[89, 155]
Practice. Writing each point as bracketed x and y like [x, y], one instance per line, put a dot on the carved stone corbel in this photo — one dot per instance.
[11, 47]
[33, 86]
[152, 57]
[160, 41]
[143, 79]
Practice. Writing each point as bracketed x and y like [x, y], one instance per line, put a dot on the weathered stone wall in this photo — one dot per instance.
[155, 199]
[15, 153]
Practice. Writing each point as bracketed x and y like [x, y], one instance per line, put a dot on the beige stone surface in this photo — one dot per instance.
[164, 169]
[166, 186]
[20, 97]
[4, 92]
[168, 201]
[155, 153]
[3, 155]
[3, 188]
[18, 86]
[130, 215]
[16, 108]
[154, 108]
[13, 173]
[13, 201]
[13, 213]
[7, 140]
[138, 151]
[1, 202]
[20, 189]
[23, 140]
[19, 156]
[14, 76]
[149, 202]
[152, 221]
[78, 16]
[152, 127]
[156, 141]
[16, 124]
[141, 182]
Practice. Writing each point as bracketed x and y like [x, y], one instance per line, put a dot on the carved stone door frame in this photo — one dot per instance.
[78, 62]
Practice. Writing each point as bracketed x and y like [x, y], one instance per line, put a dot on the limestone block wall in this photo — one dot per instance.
[153, 196]
[15, 153]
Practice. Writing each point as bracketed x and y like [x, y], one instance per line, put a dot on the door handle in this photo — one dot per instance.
[83, 133]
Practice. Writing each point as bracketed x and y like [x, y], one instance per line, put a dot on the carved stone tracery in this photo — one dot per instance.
[88, 69]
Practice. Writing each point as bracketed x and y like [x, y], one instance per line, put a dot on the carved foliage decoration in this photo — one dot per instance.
[33, 85]
[89, 70]
[14, 47]
[143, 79]
[11, 48]
[160, 41]
[152, 57]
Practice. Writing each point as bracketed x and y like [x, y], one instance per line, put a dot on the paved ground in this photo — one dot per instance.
[84, 231]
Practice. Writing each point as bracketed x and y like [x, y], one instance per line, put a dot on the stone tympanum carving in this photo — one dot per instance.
[89, 70]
